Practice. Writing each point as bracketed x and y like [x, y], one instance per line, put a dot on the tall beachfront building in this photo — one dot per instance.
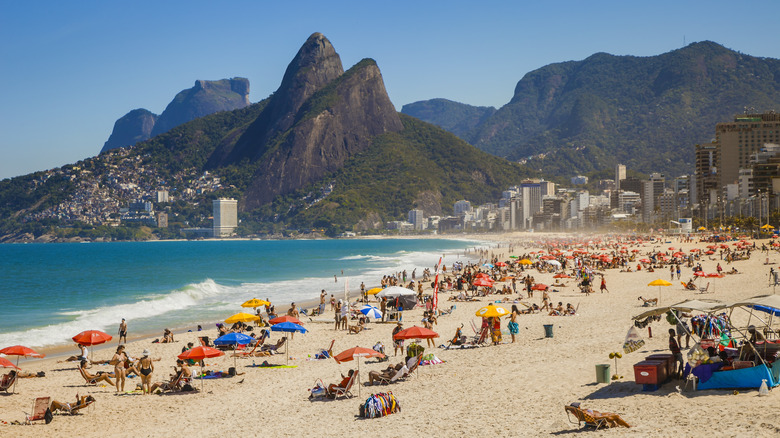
[620, 175]
[738, 141]
[225, 217]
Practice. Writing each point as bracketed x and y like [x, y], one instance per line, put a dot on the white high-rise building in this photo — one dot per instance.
[225, 217]
[462, 207]
[416, 219]
[620, 175]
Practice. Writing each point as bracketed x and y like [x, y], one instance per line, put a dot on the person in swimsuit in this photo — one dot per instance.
[514, 329]
[122, 331]
[120, 363]
[146, 368]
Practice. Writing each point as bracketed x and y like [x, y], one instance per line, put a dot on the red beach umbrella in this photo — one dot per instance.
[198, 354]
[500, 264]
[699, 274]
[18, 351]
[540, 286]
[645, 260]
[357, 352]
[92, 337]
[5, 363]
[416, 332]
[284, 318]
[483, 282]
[561, 275]
[482, 275]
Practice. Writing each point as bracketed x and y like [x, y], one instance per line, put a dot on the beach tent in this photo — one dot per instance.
[407, 298]
[704, 306]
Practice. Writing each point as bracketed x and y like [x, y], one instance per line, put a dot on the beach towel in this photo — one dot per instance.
[271, 366]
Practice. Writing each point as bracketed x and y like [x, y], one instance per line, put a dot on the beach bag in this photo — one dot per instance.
[633, 341]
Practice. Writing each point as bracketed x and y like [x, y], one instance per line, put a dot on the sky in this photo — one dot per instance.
[69, 70]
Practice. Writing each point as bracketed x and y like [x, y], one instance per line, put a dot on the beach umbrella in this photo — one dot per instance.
[660, 282]
[357, 352]
[561, 275]
[526, 262]
[241, 317]
[540, 286]
[198, 354]
[484, 282]
[254, 303]
[416, 332]
[234, 339]
[371, 311]
[374, 291]
[5, 363]
[699, 274]
[492, 311]
[284, 318]
[91, 337]
[287, 327]
[500, 264]
[19, 351]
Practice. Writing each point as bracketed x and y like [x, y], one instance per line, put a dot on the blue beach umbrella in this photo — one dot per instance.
[288, 327]
[371, 311]
[234, 339]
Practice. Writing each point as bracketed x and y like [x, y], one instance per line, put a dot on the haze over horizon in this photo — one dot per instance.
[70, 71]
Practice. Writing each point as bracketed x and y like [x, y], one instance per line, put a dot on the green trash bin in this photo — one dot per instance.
[602, 373]
[548, 330]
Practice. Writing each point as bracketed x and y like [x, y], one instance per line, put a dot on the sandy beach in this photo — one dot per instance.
[515, 389]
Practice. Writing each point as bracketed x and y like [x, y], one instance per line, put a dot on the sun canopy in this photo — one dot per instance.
[764, 303]
[705, 306]
[395, 291]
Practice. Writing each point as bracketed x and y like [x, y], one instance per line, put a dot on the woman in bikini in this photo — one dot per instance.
[514, 329]
[146, 368]
[120, 363]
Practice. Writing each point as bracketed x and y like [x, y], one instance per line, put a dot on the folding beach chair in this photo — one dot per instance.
[8, 381]
[40, 411]
[345, 390]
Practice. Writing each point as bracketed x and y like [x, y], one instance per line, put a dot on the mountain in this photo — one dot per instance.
[646, 112]
[326, 151]
[457, 118]
[131, 128]
[206, 97]
[319, 117]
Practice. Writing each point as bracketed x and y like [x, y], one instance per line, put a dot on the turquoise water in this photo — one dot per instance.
[51, 292]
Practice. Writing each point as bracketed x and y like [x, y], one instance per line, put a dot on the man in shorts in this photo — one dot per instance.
[398, 344]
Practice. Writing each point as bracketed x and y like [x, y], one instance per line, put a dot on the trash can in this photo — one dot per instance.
[602, 373]
[548, 330]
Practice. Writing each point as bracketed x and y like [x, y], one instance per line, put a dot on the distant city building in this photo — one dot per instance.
[417, 220]
[620, 175]
[579, 180]
[225, 217]
[162, 196]
[738, 141]
[462, 207]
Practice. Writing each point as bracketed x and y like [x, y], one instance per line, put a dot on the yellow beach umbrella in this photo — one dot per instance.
[702, 229]
[241, 317]
[660, 282]
[525, 262]
[492, 311]
[254, 302]
[767, 227]
[374, 291]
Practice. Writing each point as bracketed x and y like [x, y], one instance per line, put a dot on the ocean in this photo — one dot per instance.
[51, 292]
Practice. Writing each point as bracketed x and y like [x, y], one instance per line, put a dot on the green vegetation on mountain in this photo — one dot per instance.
[455, 117]
[645, 112]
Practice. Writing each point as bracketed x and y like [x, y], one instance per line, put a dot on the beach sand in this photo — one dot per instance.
[515, 389]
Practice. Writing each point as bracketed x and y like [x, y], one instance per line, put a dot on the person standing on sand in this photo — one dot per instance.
[323, 295]
[122, 331]
[514, 329]
[398, 344]
[145, 369]
[119, 360]
[383, 307]
[674, 347]
[604, 285]
[338, 314]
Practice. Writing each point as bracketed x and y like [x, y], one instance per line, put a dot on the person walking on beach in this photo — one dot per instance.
[604, 285]
[514, 329]
[323, 295]
[122, 331]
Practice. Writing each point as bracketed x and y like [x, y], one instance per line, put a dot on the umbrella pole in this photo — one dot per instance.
[287, 352]
[201, 374]
[358, 371]
[13, 391]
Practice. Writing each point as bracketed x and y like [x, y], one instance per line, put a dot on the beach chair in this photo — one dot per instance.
[593, 419]
[87, 379]
[40, 411]
[174, 385]
[399, 374]
[704, 290]
[8, 380]
[86, 401]
[345, 390]
[412, 364]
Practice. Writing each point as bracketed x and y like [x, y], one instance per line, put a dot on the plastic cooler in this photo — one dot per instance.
[668, 357]
[650, 372]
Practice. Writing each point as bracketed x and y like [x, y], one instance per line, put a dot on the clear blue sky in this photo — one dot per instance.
[68, 70]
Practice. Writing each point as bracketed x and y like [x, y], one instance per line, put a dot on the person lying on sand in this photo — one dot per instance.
[81, 402]
[101, 376]
[356, 328]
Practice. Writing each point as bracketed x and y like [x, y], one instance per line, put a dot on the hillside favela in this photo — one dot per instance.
[544, 223]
